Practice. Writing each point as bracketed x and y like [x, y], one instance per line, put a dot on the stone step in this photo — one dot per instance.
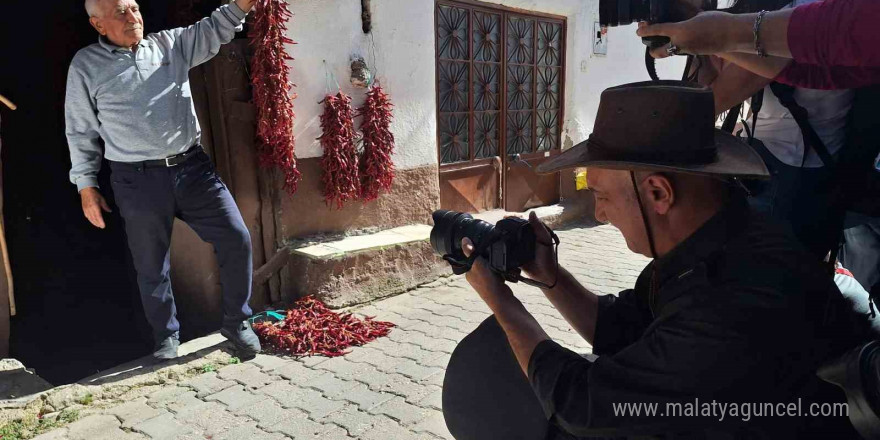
[359, 269]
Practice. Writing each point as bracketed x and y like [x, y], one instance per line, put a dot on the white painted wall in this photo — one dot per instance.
[403, 37]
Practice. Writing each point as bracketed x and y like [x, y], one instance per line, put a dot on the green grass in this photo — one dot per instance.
[86, 400]
[208, 368]
[234, 360]
[31, 427]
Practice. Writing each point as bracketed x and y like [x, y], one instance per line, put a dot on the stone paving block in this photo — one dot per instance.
[366, 398]
[439, 360]
[212, 418]
[268, 362]
[235, 397]
[330, 385]
[285, 394]
[387, 429]
[296, 372]
[434, 400]
[414, 371]
[248, 432]
[311, 361]
[354, 422]
[412, 391]
[302, 428]
[399, 350]
[184, 402]
[405, 413]
[345, 369]
[93, 427]
[378, 380]
[208, 383]
[317, 405]
[366, 355]
[164, 427]
[434, 424]
[441, 345]
[247, 374]
[167, 395]
[266, 412]
[134, 412]
[434, 379]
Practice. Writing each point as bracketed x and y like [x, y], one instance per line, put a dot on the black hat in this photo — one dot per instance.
[663, 126]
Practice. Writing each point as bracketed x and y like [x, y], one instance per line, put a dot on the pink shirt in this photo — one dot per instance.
[835, 45]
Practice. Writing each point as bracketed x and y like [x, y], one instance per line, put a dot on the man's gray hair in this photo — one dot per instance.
[93, 8]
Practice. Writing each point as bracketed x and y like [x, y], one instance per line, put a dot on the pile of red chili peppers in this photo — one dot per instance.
[310, 328]
[340, 160]
[271, 89]
[377, 167]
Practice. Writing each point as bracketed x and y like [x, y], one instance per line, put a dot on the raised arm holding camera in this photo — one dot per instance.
[834, 43]
[730, 310]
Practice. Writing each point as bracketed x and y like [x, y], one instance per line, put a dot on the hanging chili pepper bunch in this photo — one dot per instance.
[271, 89]
[340, 160]
[311, 328]
[377, 166]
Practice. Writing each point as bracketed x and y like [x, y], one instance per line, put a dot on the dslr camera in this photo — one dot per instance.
[506, 245]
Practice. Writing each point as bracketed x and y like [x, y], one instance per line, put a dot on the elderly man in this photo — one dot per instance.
[133, 93]
[729, 313]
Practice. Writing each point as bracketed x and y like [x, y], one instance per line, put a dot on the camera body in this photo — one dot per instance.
[506, 246]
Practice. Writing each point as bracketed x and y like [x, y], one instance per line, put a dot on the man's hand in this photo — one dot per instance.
[545, 266]
[92, 203]
[245, 5]
[487, 283]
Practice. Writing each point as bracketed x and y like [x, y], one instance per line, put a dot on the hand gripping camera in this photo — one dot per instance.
[507, 245]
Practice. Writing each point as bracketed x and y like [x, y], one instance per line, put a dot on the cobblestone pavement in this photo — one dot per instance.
[388, 389]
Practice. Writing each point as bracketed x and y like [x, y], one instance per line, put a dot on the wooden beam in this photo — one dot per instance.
[275, 264]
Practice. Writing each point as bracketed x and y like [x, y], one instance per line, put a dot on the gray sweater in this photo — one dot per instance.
[139, 102]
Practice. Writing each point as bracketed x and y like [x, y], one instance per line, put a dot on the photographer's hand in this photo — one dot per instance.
[544, 268]
[486, 282]
[522, 330]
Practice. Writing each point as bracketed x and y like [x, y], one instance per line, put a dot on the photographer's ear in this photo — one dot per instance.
[660, 193]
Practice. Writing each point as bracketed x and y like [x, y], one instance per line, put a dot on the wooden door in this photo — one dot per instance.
[500, 76]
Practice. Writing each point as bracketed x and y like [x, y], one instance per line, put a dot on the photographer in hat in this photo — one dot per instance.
[730, 310]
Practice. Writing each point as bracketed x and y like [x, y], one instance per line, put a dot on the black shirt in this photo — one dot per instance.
[736, 318]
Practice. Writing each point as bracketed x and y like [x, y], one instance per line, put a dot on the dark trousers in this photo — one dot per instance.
[149, 198]
[487, 396]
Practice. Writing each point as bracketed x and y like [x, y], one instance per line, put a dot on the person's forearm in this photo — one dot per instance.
[576, 304]
[522, 329]
[769, 67]
[735, 84]
[245, 5]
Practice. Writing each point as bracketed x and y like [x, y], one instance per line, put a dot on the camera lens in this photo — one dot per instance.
[450, 227]
[623, 12]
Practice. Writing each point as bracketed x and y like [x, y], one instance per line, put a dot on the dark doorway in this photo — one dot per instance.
[78, 307]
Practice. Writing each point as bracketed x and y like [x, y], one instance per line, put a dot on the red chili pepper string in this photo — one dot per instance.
[340, 160]
[311, 328]
[377, 166]
[272, 89]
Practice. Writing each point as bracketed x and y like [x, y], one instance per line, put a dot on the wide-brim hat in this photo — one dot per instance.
[662, 126]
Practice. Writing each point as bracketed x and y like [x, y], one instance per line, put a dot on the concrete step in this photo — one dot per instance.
[358, 269]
